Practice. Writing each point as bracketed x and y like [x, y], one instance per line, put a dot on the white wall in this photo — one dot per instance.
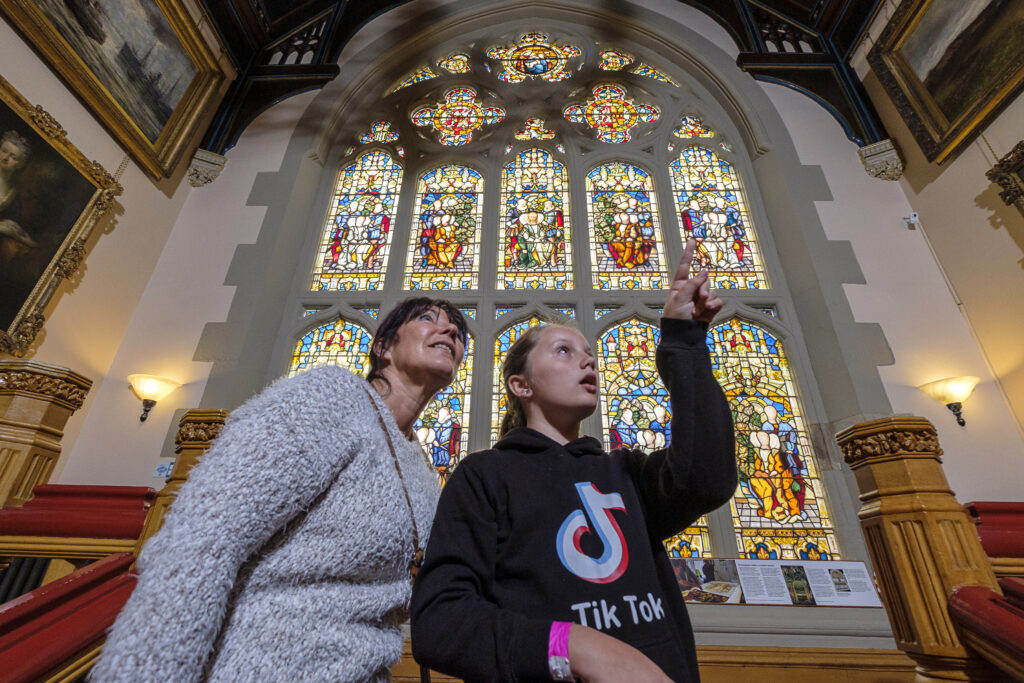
[185, 291]
[906, 294]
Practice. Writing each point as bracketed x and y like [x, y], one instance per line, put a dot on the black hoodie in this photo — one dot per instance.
[532, 532]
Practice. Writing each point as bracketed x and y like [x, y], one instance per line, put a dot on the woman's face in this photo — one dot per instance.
[10, 157]
[427, 348]
[561, 374]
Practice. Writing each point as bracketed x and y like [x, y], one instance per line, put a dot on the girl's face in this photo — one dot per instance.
[560, 375]
[428, 347]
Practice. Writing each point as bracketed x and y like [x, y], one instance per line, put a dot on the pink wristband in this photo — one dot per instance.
[558, 640]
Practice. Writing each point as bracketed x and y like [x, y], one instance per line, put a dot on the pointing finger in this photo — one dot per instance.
[683, 271]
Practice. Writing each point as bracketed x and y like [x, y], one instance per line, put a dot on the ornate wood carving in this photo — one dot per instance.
[922, 542]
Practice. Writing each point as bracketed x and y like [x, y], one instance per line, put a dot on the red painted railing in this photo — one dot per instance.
[1000, 527]
[80, 511]
[42, 630]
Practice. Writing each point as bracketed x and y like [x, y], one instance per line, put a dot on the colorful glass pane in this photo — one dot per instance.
[502, 344]
[372, 312]
[444, 249]
[560, 148]
[768, 311]
[457, 117]
[614, 60]
[534, 129]
[469, 313]
[502, 312]
[711, 207]
[306, 312]
[338, 343]
[400, 150]
[635, 411]
[535, 202]
[357, 237]
[602, 312]
[691, 127]
[379, 132]
[626, 242]
[457, 63]
[418, 76]
[534, 56]
[443, 427]
[568, 311]
[611, 113]
[635, 408]
[694, 542]
[780, 495]
[649, 71]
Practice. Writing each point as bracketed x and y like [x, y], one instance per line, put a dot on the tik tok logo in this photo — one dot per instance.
[615, 558]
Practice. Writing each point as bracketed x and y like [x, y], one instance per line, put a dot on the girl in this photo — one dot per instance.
[546, 559]
[287, 553]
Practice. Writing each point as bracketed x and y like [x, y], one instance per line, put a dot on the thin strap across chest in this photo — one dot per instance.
[417, 560]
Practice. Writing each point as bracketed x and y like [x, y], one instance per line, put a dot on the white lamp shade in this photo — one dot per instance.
[152, 388]
[951, 389]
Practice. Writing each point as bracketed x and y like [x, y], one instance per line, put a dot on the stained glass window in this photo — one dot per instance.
[379, 132]
[779, 509]
[444, 248]
[635, 410]
[535, 205]
[372, 312]
[357, 237]
[611, 113]
[443, 427]
[457, 63]
[418, 76]
[712, 209]
[457, 117]
[625, 235]
[616, 60]
[534, 56]
[502, 344]
[339, 343]
[534, 129]
[691, 127]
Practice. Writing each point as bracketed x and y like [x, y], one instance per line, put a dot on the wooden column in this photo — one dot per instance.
[921, 541]
[197, 431]
[36, 400]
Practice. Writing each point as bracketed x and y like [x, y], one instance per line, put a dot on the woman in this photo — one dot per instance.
[287, 553]
[15, 151]
[546, 558]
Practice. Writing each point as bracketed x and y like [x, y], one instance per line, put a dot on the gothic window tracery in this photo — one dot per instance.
[575, 224]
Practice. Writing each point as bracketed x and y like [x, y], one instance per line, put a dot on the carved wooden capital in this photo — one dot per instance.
[1007, 174]
[890, 436]
[44, 380]
[199, 428]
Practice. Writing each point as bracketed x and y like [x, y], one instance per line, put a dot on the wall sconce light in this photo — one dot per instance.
[151, 389]
[952, 391]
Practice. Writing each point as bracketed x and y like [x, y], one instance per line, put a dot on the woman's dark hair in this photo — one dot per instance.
[517, 360]
[387, 331]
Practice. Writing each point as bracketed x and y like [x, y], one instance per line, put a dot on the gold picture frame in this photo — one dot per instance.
[144, 71]
[950, 68]
[51, 197]
[1008, 174]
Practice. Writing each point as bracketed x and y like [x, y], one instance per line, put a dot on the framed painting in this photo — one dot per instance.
[141, 66]
[51, 197]
[950, 66]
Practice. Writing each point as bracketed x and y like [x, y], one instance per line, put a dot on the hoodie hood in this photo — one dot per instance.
[526, 441]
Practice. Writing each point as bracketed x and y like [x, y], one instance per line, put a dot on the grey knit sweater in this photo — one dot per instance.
[285, 555]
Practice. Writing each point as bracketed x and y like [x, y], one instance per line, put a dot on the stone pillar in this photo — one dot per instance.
[197, 431]
[36, 400]
[921, 540]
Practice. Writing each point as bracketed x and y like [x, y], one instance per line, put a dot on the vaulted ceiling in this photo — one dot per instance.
[825, 31]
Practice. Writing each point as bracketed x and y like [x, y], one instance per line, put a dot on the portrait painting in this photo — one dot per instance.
[142, 66]
[50, 198]
[950, 66]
